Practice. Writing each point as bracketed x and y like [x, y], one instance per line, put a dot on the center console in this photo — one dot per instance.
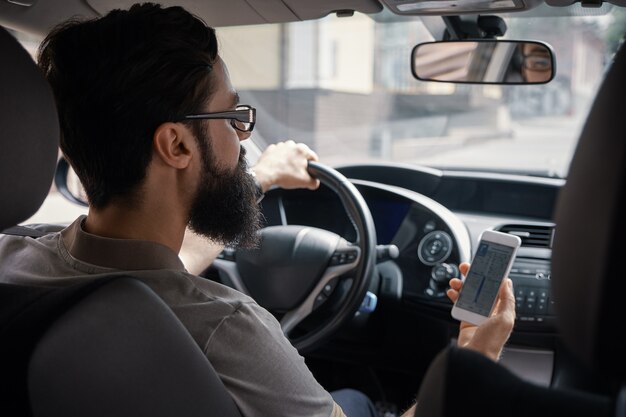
[534, 304]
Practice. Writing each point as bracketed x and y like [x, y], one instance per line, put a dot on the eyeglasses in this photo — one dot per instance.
[242, 118]
[537, 63]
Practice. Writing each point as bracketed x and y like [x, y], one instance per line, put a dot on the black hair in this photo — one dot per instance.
[115, 80]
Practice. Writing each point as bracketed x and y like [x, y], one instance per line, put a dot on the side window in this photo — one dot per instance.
[62, 206]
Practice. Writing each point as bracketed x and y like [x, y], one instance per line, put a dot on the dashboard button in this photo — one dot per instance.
[328, 288]
[542, 308]
[319, 300]
[429, 226]
[434, 248]
[342, 258]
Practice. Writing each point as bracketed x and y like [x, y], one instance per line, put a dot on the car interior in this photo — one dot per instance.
[452, 132]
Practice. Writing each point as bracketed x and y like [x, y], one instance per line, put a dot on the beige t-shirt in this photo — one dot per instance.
[259, 367]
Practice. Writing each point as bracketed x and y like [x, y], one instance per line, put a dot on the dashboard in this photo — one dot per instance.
[435, 219]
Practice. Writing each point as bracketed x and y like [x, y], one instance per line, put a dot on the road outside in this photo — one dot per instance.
[545, 143]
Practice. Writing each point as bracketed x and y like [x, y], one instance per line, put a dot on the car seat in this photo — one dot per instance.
[587, 285]
[107, 347]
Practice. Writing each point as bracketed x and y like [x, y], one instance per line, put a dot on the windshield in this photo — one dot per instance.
[344, 87]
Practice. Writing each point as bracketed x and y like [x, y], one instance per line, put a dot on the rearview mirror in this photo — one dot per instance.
[484, 62]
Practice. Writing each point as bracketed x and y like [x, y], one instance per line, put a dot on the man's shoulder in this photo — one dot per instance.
[50, 232]
[21, 254]
[181, 288]
[201, 304]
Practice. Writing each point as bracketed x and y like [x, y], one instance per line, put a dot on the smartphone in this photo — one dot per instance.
[492, 262]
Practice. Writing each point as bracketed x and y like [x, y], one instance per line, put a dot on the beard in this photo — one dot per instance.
[224, 208]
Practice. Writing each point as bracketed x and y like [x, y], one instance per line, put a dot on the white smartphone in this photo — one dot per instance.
[492, 262]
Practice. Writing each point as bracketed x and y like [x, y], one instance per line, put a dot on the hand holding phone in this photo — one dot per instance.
[492, 262]
[490, 337]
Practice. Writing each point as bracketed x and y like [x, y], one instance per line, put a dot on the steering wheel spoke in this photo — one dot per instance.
[344, 260]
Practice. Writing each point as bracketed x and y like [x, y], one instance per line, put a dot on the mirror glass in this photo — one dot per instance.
[484, 62]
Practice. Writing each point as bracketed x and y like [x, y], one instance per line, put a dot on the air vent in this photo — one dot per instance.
[533, 236]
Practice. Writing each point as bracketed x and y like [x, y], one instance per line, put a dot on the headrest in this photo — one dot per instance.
[29, 134]
[588, 273]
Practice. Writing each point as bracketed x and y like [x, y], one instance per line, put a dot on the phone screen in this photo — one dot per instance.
[484, 278]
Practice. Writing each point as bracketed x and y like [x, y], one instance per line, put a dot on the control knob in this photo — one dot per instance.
[440, 275]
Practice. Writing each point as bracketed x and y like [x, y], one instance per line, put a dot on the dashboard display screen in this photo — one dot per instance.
[388, 216]
[327, 212]
[483, 281]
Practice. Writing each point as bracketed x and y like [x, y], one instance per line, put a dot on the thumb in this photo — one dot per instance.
[506, 300]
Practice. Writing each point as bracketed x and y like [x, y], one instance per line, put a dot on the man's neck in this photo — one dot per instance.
[118, 222]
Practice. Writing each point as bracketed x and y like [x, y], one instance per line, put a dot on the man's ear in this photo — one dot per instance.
[173, 144]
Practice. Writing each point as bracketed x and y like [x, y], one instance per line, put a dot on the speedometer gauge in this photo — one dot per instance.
[435, 247]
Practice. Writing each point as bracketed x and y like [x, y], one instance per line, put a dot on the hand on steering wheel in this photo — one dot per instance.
[296, 267]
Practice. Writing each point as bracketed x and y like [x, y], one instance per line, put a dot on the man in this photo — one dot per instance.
[152, 127]
[537, 63]
[530, 63]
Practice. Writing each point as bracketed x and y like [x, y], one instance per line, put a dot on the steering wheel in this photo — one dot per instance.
[296, 269]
